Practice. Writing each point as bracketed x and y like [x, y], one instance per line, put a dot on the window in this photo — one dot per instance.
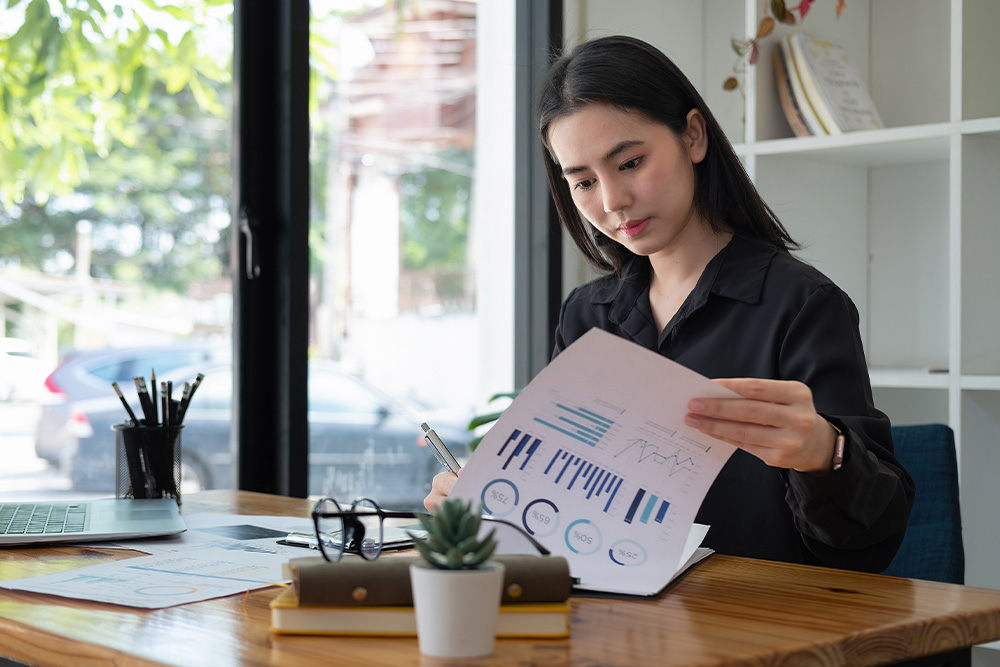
[120, 237]
[411, 229]
[115, 180]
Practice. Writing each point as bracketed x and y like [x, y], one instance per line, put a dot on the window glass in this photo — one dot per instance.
[115, 234]
[410, 247]
[331, 391]
[215, 393]
[115, 145]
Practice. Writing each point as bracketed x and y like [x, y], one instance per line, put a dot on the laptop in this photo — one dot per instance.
[39, 522]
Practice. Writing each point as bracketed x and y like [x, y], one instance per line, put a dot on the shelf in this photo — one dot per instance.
[871, 148]
[904, 218]
[987, 382]
[902, 378]
[980, 126]
[874, 148]
[899, 378]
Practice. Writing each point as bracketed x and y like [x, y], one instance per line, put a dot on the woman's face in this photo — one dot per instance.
[631, 178]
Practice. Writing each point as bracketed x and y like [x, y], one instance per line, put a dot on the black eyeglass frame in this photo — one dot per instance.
[353, 531]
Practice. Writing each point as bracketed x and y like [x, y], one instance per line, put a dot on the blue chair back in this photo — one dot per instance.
[932, 548]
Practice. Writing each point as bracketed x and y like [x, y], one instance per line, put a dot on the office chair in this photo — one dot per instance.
[932, 548]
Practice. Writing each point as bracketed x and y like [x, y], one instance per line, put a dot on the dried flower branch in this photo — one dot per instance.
[748, 50]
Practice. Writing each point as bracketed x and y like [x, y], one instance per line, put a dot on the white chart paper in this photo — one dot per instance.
[218, 555]
[594, 460]
[164, 580]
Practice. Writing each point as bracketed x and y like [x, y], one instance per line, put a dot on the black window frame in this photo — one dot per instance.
[270, 253]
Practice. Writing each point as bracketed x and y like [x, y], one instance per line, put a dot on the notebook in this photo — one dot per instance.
[87, 521]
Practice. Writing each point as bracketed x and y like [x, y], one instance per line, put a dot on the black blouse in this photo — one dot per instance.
[759, 312]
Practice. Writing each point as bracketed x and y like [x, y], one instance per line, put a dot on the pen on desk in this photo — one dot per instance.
[441, 453]
[305, 540]
[125, 403]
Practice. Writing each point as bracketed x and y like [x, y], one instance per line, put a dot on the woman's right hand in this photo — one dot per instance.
[440, 488]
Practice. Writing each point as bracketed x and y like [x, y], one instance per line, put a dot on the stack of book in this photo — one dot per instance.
[821, 91]
[373, 598]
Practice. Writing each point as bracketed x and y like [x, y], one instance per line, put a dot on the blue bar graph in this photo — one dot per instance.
[522, 448]
[661, 512]
[635, 505]
[578, 423]
[648, 509]
[576, 473]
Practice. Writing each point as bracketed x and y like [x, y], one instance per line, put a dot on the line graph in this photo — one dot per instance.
[644, 451]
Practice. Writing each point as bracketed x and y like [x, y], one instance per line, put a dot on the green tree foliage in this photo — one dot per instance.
[75, 81]
[117, 114]
[434, 214]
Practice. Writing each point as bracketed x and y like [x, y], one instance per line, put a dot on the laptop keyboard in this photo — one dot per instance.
[42, 518]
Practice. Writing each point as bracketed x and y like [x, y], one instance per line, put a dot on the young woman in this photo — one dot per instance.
[699, 270]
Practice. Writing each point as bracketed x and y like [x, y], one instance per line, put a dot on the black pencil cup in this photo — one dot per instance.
[148, 461]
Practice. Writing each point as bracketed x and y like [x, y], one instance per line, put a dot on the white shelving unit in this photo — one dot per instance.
[906, 218]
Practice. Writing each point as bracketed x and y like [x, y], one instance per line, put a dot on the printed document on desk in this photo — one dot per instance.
[218, 555]
[594, 460]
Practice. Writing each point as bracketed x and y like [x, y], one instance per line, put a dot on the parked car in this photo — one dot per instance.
[84, 375]
[22, 373]
[363, 442]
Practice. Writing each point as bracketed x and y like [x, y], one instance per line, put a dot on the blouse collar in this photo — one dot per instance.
[736, 272]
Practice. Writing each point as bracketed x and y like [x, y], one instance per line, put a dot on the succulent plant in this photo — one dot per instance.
[452, 542]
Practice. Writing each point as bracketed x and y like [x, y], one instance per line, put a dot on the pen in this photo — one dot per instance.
[306, 540]
[125, 403]
[441, 452]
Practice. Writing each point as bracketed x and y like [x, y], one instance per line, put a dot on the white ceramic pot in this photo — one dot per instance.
[457, 609]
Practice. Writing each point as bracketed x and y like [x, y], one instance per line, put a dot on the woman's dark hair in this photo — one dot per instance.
[636, 77]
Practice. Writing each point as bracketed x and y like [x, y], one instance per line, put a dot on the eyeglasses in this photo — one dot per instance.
[359, 529]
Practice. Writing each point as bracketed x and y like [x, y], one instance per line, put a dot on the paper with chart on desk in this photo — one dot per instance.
[218, 555]
[594, 460]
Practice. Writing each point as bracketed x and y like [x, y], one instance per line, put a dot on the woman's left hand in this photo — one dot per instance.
[775, 420]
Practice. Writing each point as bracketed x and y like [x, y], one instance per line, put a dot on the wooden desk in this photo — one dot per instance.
[727, 611]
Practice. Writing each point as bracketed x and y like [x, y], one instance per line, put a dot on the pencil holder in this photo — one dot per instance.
[148, 461]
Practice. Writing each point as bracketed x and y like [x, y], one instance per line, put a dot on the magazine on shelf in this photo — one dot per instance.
[798, 93]
[793, 114]
[834, 86]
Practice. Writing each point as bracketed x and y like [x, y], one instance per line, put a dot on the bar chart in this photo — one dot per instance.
[590, 480]
[582, 424]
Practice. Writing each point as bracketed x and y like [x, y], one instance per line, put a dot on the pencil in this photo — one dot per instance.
[147, 408]
[163, 400]
[189, 395]
[125, 403]
[185, 399]
[172, 411]
[152, 393]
